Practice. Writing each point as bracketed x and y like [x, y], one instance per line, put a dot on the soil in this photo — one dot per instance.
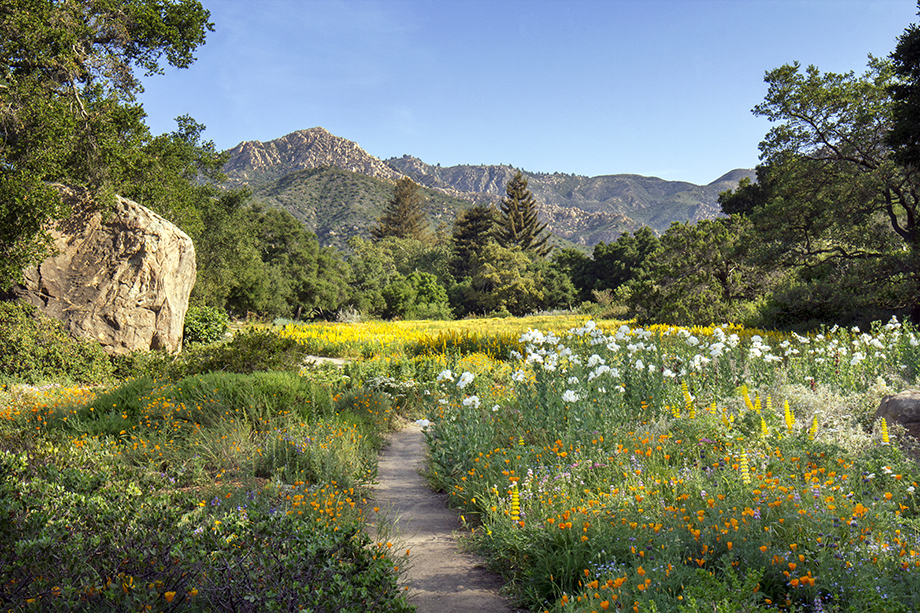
[441, 577]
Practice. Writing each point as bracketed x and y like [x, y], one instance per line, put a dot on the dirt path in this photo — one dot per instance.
[441, 578]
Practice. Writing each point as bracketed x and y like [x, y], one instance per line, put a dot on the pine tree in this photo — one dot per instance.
[518, 224]
[403, 216]
[473, 229]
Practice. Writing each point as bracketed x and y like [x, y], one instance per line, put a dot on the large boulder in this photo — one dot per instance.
[902, 408]
[122, 278]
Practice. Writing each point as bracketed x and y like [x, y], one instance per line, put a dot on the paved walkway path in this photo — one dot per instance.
[441, 578]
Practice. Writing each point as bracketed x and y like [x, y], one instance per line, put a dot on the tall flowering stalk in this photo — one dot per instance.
[884, 426]
[515, 504]
[688, 399]
[813, 431]
[747, 398]
[745, 472]
[790, 419]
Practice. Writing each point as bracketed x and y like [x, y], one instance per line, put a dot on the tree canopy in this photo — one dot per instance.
[68, 111]
[830, 195]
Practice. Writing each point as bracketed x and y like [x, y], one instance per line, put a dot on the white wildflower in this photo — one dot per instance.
[465, 379]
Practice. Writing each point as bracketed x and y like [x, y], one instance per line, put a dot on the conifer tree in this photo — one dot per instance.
[473, 229]
[518, 224]
[403, 216]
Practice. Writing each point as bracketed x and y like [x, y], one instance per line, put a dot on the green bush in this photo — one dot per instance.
[35, 348]
[204, 324]
[251, 351]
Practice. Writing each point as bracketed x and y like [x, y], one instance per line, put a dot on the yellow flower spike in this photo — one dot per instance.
[884, 426]
[688, 399]
[757, 406]
[745, 473]
[813, 431]
[515, 504]
[764, 430]
[769, 405]
[790, 419]
[713, 409]
[747, 398]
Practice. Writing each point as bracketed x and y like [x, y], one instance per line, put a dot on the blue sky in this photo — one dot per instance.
[652, 87]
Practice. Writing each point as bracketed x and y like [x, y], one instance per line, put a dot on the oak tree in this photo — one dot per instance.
[830, 194]
[68, 109]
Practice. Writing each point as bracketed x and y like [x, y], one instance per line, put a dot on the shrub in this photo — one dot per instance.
[204, 324]
[35, 348]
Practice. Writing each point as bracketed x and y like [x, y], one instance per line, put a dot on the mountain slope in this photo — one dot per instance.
[256, 163]
[338, 190]
[337, 204]
[634, 199]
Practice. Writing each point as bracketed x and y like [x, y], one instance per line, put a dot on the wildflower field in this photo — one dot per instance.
[669, 469]
[217, 492]
[597, 466]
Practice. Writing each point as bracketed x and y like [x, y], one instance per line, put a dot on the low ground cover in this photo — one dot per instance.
[212, 492]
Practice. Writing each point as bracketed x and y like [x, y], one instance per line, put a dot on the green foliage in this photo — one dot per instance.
[616, 263]
[68, 104]
[89, 532]
[473, 229]
[298, 276]
[830, 200]
[251, 350]
[404, 215]
[418, 296]
[699, 275]
[505, 279]
[904, 138]
[35, 348]
[518, 224]
[205, 324]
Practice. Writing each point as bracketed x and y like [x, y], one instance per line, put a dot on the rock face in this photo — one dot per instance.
[122, 279]
[904, 409]
[255, 161]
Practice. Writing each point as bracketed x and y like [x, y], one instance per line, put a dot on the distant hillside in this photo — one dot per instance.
[337, 204]
[338, 190]
[586, 210]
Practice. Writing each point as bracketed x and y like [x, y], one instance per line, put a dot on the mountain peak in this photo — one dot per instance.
[256, 161]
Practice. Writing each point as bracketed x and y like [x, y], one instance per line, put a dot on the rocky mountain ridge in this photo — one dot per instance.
[257, 162]
[582, 210]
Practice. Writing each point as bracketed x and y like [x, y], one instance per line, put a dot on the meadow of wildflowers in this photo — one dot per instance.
[598, 466]
[670, 469]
